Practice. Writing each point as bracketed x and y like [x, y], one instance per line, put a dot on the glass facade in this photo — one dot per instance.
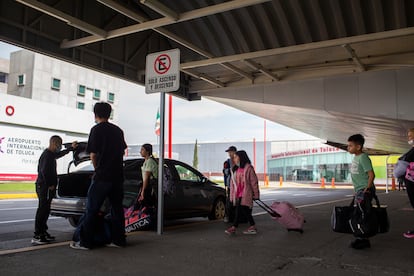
[55, 84]
[80, 105]
[3, 77]
[96, 94]
[111, 97]
[21, 80]
[81, 90]
[311, 167]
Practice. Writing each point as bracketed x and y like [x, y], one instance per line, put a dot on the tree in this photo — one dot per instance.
[195, 157]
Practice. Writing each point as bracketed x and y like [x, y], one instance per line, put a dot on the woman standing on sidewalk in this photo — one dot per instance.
[149, 172]
[244, 188]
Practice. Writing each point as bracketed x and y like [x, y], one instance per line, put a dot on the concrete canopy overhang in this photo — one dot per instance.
[245, 45]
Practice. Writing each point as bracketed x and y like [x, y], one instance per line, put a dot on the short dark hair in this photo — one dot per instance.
[102, 110]
[148, 148]
[54, 139]
[357, 139]
[231, 148]
[244, 159]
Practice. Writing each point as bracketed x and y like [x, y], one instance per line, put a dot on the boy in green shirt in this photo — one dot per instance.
[363, 177]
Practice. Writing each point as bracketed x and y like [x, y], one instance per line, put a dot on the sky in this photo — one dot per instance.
[204, 121]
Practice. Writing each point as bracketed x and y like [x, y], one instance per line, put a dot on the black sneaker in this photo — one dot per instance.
[360, 244]
[49, 237]
[37, 240]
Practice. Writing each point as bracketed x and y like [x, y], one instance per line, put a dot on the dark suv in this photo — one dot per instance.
[189, 193]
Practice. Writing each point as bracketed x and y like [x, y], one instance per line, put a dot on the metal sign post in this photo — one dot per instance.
[160, 205]
[162, 74]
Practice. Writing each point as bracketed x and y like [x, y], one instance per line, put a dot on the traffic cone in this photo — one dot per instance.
[323, 183]
[333, 183]
[393, 188]
[280, 181]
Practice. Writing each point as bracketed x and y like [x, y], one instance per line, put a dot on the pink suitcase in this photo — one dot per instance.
[286, 214]
[290, 217]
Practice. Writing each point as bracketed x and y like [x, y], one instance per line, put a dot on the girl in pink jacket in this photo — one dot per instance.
[244, 187]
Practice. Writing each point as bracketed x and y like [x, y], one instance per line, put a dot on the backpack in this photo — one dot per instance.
[409, 174]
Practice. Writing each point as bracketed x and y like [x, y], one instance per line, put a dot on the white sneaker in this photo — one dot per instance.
[113, 245]
[77, 245]
[250, 231]
[39, 240]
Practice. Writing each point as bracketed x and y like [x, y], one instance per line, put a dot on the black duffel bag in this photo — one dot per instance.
[364, 220]
[375, 222]
[382, 215]
[340, 218]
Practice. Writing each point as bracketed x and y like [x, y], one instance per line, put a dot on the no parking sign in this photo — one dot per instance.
[162, 72]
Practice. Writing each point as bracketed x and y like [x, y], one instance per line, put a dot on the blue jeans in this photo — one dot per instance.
[98, 191]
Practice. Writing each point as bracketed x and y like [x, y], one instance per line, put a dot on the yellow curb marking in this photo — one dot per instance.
[17, 196]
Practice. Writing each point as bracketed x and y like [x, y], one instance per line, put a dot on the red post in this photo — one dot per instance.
[393, 186]
[264, 147]
[170, 126]
[254, 153]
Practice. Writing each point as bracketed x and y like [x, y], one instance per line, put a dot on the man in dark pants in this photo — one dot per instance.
[45, 187]
[227, 172]
[106, 146]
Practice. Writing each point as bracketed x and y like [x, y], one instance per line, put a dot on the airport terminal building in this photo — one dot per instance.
[41, 96]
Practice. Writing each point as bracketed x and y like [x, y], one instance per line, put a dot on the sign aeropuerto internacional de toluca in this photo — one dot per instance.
[162, 72]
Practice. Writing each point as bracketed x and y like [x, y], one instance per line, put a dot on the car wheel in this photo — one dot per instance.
[219, 209]
[74, 221]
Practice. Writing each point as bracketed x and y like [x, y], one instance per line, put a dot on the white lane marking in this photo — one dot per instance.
[17, 199]
[299, 194]
[22, 208]
[272, 192]
[319, 195]
[308, 205]
[24, 220]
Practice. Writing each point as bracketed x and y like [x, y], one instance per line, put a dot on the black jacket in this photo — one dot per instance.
[46, 169]
[409, 156]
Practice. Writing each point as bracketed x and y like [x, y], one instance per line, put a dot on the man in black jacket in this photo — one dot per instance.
[45, 187]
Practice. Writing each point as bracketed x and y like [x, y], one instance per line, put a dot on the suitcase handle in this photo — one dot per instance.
[267, 208]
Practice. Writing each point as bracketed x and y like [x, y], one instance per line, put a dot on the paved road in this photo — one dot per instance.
[202, 248]
[17, 216]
